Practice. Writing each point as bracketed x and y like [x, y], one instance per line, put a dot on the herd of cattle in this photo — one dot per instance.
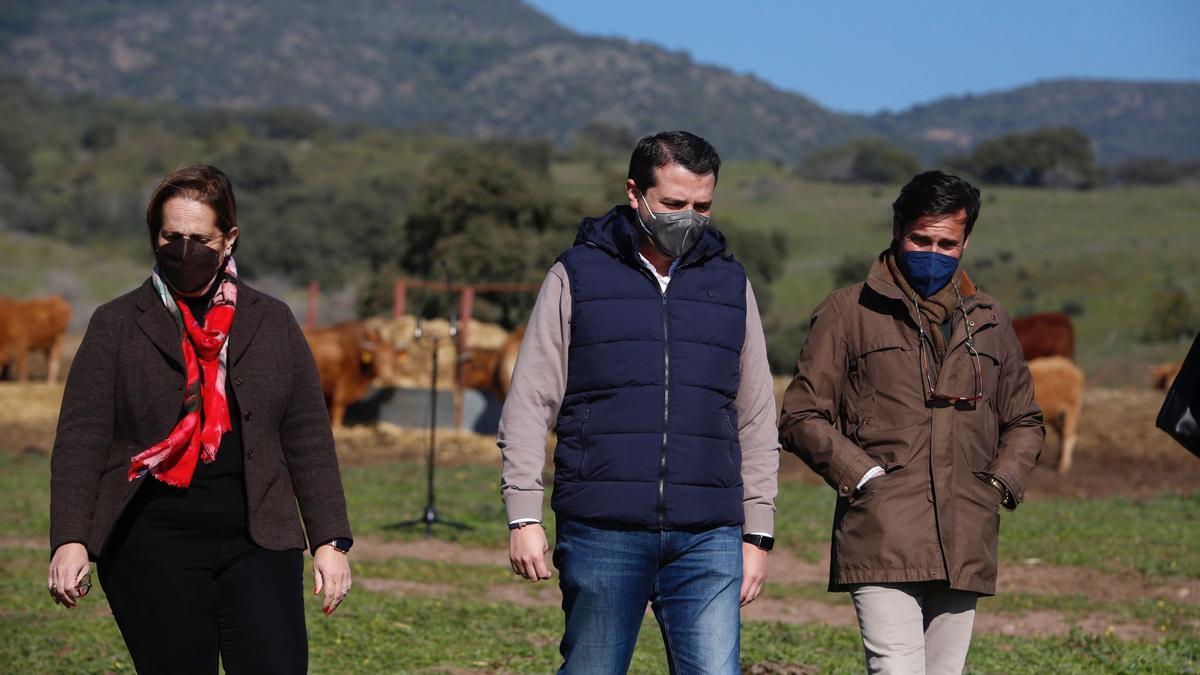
[350, 356]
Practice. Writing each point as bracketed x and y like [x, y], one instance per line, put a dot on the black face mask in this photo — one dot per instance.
[187, 265]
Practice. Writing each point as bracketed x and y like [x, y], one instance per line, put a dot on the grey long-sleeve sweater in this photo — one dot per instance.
[538, 386]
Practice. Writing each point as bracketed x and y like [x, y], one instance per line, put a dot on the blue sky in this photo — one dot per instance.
[861, 56]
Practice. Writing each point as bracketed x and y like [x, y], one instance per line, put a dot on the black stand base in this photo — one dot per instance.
[429, 518]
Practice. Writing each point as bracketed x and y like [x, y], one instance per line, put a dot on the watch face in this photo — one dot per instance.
[762, 541]
[342, 544]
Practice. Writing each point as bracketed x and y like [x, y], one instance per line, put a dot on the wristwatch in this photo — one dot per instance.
[522, 523]
[342, 544]
[764, 541]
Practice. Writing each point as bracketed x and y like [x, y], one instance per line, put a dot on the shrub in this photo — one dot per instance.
[1172, 316]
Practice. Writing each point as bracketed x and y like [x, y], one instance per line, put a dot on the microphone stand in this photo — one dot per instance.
[429, 517]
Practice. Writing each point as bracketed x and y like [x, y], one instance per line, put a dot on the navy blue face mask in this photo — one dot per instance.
[928, 271]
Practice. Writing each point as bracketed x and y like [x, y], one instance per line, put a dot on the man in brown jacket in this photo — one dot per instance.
[912, 399]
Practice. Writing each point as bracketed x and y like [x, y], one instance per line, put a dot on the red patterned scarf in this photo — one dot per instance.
[205, 407]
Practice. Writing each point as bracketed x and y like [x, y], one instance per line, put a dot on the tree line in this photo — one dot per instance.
[1056, 157]
[345, 205]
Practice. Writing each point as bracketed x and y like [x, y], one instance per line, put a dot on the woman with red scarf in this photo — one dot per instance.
[191, 427]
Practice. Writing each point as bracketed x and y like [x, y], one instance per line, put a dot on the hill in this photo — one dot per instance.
[502, 68]
[1125, 119]
[485, 69]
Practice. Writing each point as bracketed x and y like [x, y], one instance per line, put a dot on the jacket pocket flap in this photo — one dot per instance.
[881, 341]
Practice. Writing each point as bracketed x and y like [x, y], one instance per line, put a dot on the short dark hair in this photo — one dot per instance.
[934, 193]
[200, 182]
[686, 149]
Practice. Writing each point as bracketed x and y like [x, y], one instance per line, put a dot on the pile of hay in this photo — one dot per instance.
[413, 366]
[29, 415]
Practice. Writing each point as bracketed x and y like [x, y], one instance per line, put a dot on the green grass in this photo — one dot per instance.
[1158, 537]
[32, 266]
[459, 623]
[473, 579]
[384, 632]
[1172, 618]
[382, 495]
[839, 650]
[25, 486]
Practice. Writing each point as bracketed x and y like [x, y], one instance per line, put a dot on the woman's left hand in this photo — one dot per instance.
[331, 571]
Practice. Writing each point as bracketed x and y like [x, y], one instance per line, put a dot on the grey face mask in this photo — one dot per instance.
[674, 233]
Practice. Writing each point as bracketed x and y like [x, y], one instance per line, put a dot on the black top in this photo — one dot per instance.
[218, 487]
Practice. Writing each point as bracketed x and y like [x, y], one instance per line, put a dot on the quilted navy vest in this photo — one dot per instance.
[647, 431]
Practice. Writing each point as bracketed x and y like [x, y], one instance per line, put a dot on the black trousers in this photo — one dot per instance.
[186, 587]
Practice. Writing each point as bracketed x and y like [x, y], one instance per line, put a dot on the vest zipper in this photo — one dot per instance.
[662, 454]
[661, 507]
[733, 438]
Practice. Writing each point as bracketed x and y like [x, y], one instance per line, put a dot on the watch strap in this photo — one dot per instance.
[765, 542]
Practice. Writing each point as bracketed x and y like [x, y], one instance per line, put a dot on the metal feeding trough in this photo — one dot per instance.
[410, 408]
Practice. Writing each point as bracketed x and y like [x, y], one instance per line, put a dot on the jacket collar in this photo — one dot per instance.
[155, 321]
[246, 319]
[619, 234]
[879, 279]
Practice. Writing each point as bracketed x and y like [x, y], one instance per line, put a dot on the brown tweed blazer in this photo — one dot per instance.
[124, 393]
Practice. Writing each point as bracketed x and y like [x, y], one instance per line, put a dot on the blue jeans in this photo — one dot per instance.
[691, 579]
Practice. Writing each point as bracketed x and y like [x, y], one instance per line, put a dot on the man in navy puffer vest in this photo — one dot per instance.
[645, 351]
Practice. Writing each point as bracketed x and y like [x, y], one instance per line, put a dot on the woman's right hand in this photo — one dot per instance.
[68, 567]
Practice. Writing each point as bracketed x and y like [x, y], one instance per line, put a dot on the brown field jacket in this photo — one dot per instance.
[125, 393]
[858, 400]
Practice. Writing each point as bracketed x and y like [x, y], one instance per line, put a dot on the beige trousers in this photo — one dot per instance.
[914, 628]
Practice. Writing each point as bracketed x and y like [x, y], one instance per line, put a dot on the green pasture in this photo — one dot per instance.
[1105, 255]
[467, 625]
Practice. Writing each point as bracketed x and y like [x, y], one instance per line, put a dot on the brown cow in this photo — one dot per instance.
[7, 308]
[1058, 389]
[1163, 375]
[490, 370]
[1046, 334]
[37, 325]
[349, 355]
